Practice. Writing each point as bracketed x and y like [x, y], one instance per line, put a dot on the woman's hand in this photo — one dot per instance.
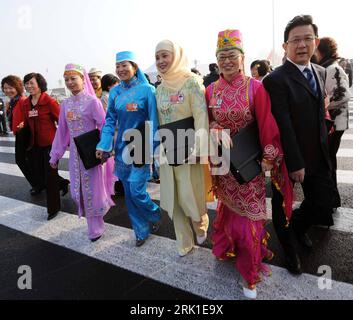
[21, 125]
[298, 176]
[54, 165]
[266, 165]
[99, 154]
[222, 138]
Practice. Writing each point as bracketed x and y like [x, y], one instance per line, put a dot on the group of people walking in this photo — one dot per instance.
[292, 108]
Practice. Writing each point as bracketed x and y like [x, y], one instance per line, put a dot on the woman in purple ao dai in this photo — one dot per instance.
[82, 112]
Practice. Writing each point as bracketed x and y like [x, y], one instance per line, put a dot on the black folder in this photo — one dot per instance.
[178, 150]
[86, 146]
[139, 155]
[245, 156]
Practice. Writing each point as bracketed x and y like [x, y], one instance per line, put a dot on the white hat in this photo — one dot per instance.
[96, 72]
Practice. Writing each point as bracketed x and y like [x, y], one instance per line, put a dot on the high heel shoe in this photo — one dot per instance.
[140, 242]
[52, 216]
[96, 239]
[35, 191]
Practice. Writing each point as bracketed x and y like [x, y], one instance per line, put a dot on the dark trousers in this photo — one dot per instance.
[318, 203]
[334, 145]
[21, 145]
[45, 177]
[3, 126]
[39, 163]
[316, 208]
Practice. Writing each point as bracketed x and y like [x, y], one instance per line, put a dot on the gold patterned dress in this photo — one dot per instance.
[184, 188]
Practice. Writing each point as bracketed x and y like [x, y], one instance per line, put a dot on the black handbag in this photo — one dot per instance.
[86, 146]
[245, 156]
[139, 155]
[178, 150]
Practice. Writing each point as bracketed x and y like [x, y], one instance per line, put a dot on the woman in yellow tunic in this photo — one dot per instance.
[184, 188]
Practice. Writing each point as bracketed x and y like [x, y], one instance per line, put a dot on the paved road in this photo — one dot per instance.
[65, 265]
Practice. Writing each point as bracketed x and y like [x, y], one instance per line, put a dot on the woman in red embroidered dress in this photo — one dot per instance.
[235, 101]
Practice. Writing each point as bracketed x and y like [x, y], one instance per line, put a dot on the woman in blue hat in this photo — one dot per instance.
[130, 105]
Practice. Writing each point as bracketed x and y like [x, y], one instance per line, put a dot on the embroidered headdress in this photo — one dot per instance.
[230, 39]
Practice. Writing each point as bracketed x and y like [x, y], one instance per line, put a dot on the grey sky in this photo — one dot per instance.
[42, 36]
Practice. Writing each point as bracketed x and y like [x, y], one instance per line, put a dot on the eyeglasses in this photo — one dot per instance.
[307, 41]
[232, 57]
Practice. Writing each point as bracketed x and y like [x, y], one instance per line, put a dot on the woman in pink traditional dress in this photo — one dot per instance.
[235, 101]
[91, 189]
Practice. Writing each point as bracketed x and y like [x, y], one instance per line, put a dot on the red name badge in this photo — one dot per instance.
[33, 113]
[173, 98]
[176, 98]
[215, 103]
[131, 107]
[70, 116]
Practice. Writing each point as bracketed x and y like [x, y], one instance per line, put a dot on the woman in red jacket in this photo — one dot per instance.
[13, 88]
[41, 115]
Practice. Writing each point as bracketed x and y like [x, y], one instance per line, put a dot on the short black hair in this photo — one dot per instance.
[254, 63]
[302, 20]
[108, 81]
[262, 67]
[212, 67]
[42, 83]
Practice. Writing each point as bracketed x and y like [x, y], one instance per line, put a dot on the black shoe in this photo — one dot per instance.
[96, 239]
[293, 264]
[155, 226]
[305, 241]
[139, 242]
[52, 216]
[36, 191]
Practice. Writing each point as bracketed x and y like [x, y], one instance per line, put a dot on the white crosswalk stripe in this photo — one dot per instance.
[12, 150]
[158, 260]
[7, 139]
[343, 219]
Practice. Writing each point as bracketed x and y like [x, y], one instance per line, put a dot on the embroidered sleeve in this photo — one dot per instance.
[268, 129]
[272, 154]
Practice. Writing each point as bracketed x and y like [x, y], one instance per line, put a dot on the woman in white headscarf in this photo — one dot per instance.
[185, 187]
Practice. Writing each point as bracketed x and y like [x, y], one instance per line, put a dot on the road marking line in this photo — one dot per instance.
[199, 272]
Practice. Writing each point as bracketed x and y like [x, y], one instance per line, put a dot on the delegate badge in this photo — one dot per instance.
[215, 103]
[71, 116]
[176, 98]
[131, 107]
[33, 113]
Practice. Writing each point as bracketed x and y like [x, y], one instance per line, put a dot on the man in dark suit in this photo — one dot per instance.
[297, 96]
[213, 76]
